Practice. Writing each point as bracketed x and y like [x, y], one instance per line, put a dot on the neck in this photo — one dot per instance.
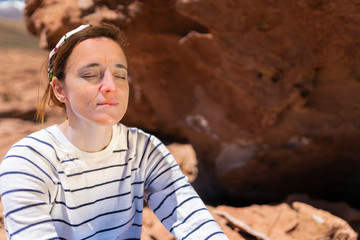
[89, 137]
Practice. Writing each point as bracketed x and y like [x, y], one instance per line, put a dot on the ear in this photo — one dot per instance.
[58, 88]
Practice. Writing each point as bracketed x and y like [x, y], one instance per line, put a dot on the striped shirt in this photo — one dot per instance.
[52, 190]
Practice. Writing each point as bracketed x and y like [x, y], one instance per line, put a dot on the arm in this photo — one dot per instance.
[173, 199]
[25, 193]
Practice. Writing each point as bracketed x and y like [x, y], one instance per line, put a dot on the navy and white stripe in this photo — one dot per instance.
[52, 190]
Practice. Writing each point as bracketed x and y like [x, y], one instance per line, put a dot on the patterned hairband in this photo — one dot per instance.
[58, 45]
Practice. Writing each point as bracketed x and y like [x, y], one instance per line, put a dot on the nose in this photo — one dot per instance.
[108, 84]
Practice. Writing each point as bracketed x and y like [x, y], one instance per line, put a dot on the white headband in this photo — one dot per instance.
[58, 45]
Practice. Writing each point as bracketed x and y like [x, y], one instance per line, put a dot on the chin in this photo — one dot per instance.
[109, 121]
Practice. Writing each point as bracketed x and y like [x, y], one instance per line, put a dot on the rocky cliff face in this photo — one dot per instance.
[267, 92]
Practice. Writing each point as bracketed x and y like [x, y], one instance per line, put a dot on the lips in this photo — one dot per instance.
[108, 103]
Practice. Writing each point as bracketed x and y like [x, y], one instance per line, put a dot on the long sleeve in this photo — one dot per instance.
[25, 193]
[173, 199]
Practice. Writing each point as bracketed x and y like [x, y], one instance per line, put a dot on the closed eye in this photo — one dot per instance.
[91, 73]
[120, 77]
[120, 74]
[89, 76]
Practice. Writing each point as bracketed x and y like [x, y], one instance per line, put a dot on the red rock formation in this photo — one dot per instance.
[264, 222]
[283, 221]
[267, 92]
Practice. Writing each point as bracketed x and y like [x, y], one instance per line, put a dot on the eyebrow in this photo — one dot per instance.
[117, 65]
[89, 66]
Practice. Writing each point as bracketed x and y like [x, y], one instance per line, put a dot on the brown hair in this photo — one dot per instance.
[61, 56]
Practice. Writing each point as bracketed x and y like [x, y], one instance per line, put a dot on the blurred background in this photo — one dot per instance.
[266, 92]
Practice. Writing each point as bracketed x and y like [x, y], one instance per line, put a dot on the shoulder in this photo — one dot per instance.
[32, 156]
[132, 131]
[143, 142]
[137, 137]
[37, 144]
[33, 139]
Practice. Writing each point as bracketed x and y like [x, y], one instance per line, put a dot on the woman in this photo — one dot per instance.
[87, 177]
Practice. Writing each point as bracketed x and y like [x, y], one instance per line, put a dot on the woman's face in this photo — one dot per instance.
[96, 87]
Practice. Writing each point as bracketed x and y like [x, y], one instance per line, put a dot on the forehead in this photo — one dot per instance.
[99, 50]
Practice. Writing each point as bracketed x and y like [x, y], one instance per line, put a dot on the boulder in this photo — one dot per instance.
[293, 221]
[282, 221]
[267, 92]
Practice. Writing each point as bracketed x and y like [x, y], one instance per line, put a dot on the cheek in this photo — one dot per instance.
[124, 90]
[80, 99]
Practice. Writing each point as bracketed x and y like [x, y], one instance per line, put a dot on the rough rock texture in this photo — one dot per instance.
[266, 91]
[282, 221]
[298, 221]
